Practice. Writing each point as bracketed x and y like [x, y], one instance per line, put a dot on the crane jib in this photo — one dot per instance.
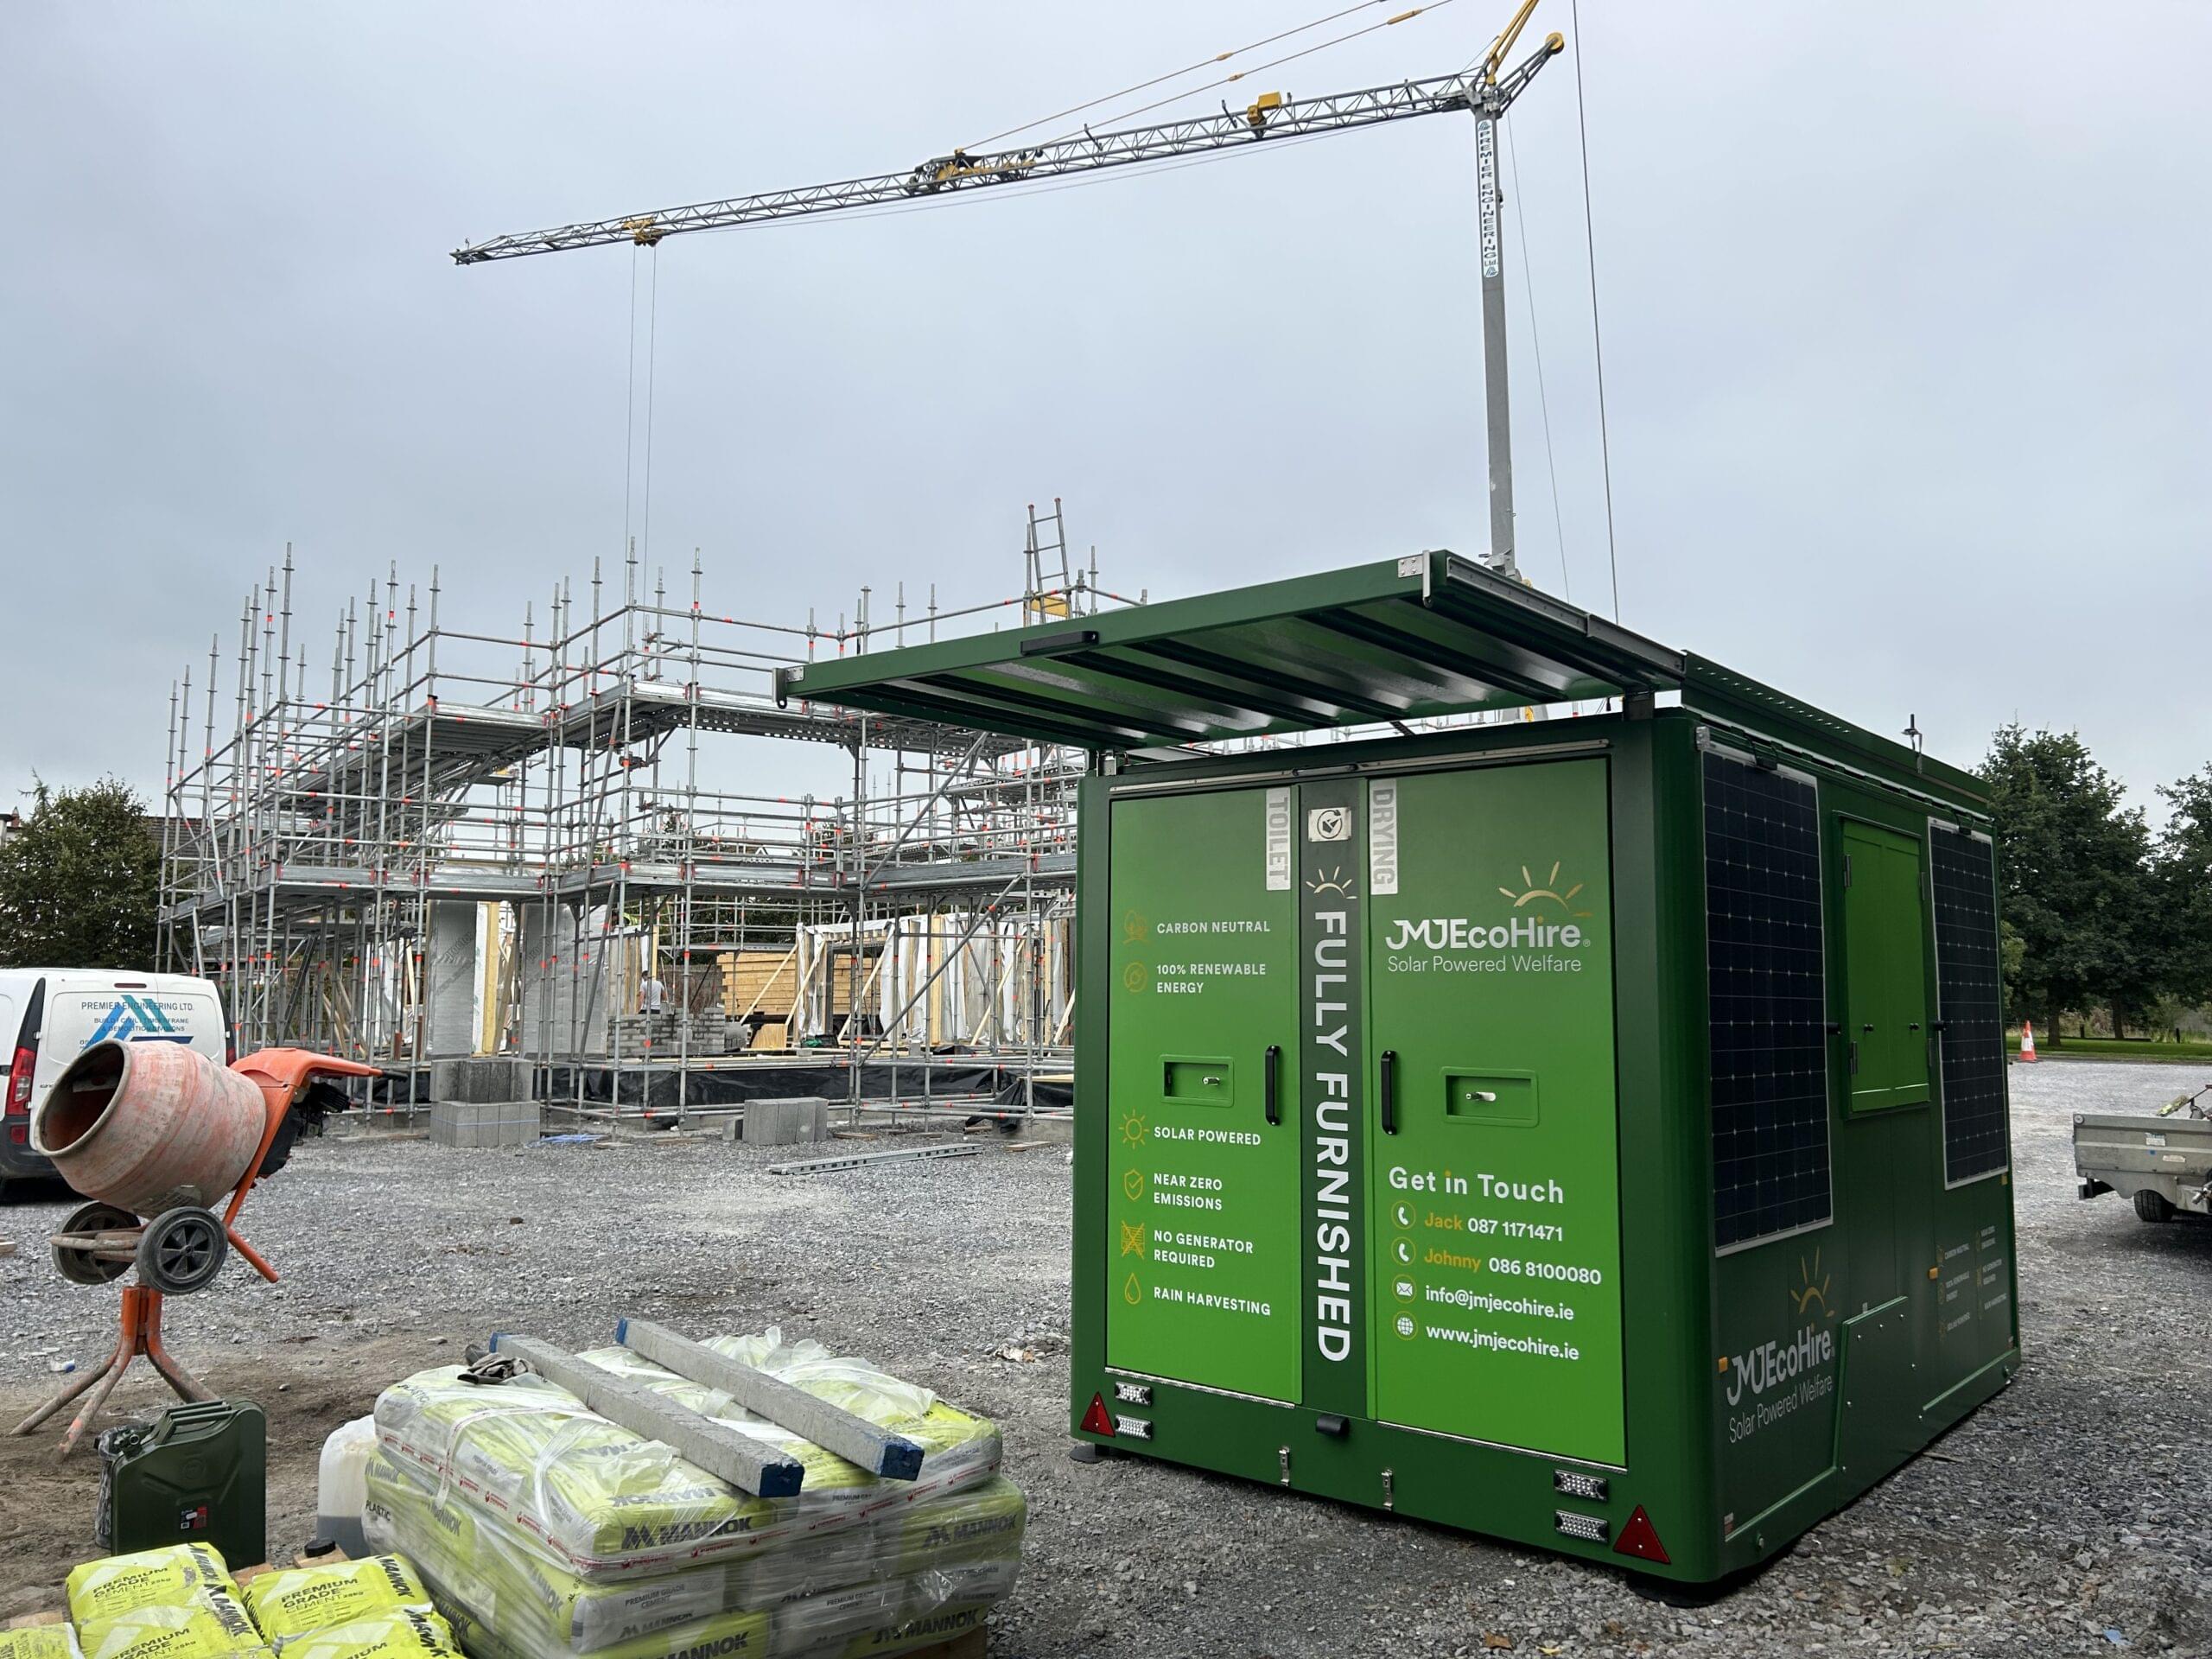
[1270, 116]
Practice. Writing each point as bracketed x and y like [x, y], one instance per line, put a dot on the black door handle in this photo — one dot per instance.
[1866, 1027]
[1389, 1067]
[1274, 1100]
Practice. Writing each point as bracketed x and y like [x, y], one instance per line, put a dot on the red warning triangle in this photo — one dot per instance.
[1640, 1538]
[1099, 1421]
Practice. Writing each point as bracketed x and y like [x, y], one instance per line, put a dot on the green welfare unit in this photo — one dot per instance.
[1589, 1131]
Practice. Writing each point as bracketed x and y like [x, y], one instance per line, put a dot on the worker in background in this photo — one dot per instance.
[651, 995]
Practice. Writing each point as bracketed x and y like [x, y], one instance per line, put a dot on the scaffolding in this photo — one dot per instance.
[435, 842]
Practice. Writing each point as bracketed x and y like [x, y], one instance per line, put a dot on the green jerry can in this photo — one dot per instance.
[197, 1474]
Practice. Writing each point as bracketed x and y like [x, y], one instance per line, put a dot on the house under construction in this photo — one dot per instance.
[410, 841]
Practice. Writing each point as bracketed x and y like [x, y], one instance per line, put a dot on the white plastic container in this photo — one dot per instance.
[342, 1485]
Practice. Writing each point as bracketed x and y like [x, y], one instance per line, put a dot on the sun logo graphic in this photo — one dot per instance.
[1812, 1289]
[1530, 892]
[1133, 1130]
[1337, 879]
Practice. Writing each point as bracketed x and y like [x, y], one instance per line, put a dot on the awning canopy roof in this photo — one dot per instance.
[1399, 639]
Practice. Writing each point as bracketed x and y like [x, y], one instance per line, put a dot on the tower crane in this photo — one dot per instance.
[1485, 90]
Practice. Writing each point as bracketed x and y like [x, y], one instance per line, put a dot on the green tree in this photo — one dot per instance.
[80, 881]
[2077, 881]
[2184, 883]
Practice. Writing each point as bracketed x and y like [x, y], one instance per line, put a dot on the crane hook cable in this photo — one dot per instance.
[1596, 339]
[1272, 63]
[1192, 68]
[1536, 339]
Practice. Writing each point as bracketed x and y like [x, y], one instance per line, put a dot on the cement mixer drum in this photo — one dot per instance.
[149, 1127]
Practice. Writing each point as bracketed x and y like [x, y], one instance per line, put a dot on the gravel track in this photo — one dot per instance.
[2063, 1515]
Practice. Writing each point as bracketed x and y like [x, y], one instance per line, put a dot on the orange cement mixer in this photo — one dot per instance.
[154, 1134]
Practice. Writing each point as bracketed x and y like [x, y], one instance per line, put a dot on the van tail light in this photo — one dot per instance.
[19, 1082]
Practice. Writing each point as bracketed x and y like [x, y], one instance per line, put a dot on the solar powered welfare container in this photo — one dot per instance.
[1588, 1131]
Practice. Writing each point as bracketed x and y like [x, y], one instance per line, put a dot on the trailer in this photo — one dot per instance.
[1585, 1124]
[2161, 1162]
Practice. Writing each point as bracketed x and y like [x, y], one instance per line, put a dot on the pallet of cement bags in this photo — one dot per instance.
[545, 1532]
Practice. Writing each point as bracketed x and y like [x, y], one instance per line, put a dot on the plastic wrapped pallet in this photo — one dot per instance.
[813, 1590]
[544, 1532]
[608, 1503]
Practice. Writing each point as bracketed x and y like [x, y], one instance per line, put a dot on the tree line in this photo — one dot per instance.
[2099, 911]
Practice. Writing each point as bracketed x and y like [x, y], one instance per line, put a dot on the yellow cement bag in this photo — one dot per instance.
[396, 1633]
[122, 1584]
[291, 1604]
[56, 1640]
[984, 1522]
[925, 1629]
[209, 1623]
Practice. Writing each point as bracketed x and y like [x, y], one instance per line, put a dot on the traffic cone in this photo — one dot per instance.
[2028, 1041]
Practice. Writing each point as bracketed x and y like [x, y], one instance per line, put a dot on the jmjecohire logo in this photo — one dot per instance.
[1799, 1358]
[1533, 931]
[136, 1020]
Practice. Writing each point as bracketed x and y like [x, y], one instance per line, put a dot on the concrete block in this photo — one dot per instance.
[481, 1079]
[485, 1124]
[786, 1122]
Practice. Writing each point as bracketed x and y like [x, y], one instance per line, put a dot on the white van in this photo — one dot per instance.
[50, 1015]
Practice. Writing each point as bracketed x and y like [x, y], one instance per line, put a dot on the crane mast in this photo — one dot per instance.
[1483, 90]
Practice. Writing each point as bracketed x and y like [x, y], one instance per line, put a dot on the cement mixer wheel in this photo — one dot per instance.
[182, 1250]
[82, 1267]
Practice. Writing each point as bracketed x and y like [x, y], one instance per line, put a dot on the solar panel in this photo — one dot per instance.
[1767, 988]
[1968, 1002]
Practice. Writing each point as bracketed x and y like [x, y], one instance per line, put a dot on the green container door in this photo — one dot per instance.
[1885, 933]
[1492, 1156]
[1202, 1258]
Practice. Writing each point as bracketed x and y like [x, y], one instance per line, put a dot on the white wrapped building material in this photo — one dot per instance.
[547, 1532]
[605, 1503]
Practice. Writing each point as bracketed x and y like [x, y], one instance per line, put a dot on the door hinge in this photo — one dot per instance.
[1846, 870]
[1855, 1059]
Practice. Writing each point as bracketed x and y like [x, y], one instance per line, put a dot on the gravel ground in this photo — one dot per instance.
[2056, 1520]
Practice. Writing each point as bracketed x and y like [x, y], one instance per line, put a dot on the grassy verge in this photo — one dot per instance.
[2114, 1048]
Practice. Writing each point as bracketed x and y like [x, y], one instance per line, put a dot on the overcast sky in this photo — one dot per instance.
[1903, 311]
